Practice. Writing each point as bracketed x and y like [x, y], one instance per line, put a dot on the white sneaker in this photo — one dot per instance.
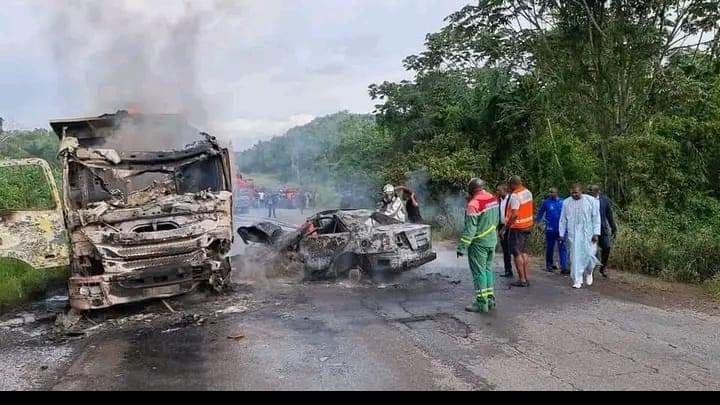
[589, 279]
[577, 285]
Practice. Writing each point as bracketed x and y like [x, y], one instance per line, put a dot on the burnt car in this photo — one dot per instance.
[139, 224]
[352, 243]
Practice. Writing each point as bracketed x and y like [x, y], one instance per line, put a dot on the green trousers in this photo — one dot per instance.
[481, 262]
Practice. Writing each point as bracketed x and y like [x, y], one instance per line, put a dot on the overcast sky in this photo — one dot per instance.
[256, 67]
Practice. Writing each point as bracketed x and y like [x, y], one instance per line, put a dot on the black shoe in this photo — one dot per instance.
[554, 267]
[520, 284]
[602, 271]
[507, 275]
[565, 272]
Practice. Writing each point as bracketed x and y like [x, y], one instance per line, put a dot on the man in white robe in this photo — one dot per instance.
[580, 228]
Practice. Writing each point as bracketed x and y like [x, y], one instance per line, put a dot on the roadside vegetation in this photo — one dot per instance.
[19, 281]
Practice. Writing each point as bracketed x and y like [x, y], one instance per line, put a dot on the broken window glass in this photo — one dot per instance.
[201, 176]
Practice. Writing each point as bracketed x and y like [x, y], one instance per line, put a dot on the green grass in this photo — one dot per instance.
[712, 287]
[20, 282]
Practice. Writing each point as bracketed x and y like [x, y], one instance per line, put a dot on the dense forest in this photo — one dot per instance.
[625, 94]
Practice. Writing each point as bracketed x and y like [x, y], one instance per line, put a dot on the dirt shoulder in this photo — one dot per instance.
[652, 291]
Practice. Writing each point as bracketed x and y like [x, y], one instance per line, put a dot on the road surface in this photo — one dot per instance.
[282, 334]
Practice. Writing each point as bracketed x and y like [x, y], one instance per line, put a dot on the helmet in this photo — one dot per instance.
[388, 189]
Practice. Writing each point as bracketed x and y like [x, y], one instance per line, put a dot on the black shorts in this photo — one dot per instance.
[518, 241]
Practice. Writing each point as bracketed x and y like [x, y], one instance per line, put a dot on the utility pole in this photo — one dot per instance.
[1, 125]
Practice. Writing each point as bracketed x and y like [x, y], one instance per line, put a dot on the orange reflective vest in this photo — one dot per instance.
[525, 218]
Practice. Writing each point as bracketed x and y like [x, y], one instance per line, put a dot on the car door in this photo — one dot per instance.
[32, 228]
[321, 249]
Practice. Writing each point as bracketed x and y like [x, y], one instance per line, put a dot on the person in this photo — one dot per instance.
[272, 202]
[478, 242]
[519, 223]
[503, 198]
[608, 228]
[580, 229]
[550, 211]
[261, 198]
[391, 205]
[412, 207]
[305, 201]
[302, 203]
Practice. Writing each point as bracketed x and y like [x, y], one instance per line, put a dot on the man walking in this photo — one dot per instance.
[550, 210]
[608, 228]
[478, 242]
[503, 198]
[580, 228]
[519, 223]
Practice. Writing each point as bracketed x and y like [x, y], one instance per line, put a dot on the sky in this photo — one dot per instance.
[245, 70]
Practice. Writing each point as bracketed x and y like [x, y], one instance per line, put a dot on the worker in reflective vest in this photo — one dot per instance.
[518, 225]
[478, 242]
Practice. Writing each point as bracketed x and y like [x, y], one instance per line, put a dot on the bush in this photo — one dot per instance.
[19, 281]
[658, 242]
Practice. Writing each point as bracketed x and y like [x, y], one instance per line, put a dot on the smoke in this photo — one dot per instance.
[144, 55]
[442, 208]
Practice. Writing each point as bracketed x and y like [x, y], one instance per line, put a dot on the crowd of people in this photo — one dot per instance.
[273, 200]
[578, 225]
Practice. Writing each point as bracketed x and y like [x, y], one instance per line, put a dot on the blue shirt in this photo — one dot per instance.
[550, 209]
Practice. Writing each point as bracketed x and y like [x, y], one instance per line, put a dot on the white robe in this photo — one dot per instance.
[579, 221]
[394, 209]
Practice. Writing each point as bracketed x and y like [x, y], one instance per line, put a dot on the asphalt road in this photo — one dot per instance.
[413, 334]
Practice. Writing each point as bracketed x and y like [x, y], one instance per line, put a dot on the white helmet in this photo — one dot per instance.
[389, 189]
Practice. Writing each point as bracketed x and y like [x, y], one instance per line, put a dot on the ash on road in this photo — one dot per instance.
[413, 334]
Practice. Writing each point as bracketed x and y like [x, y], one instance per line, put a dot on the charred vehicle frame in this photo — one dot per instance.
[142, 224]
[353, 243]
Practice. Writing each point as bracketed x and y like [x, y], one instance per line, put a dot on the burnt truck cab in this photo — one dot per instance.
[143, 224]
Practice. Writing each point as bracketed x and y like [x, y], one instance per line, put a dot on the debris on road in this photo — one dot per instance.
[188, 320]
[168, 306]
[236, 337]
[169, 330]
[234, 309]
[66, 320]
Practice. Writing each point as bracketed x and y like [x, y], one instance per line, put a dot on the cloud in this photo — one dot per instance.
[245, 132]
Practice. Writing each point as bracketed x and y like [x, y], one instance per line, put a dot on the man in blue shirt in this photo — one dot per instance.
[550, 210]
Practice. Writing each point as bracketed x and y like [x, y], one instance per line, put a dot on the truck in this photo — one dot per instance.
[132, 224]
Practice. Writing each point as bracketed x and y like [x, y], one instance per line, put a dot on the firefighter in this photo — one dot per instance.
[478, 242]
[391, 205]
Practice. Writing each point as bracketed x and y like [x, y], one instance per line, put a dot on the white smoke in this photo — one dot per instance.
[138, 54]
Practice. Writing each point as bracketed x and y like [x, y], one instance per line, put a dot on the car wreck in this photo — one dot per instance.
[142, 224]
[352, 243]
